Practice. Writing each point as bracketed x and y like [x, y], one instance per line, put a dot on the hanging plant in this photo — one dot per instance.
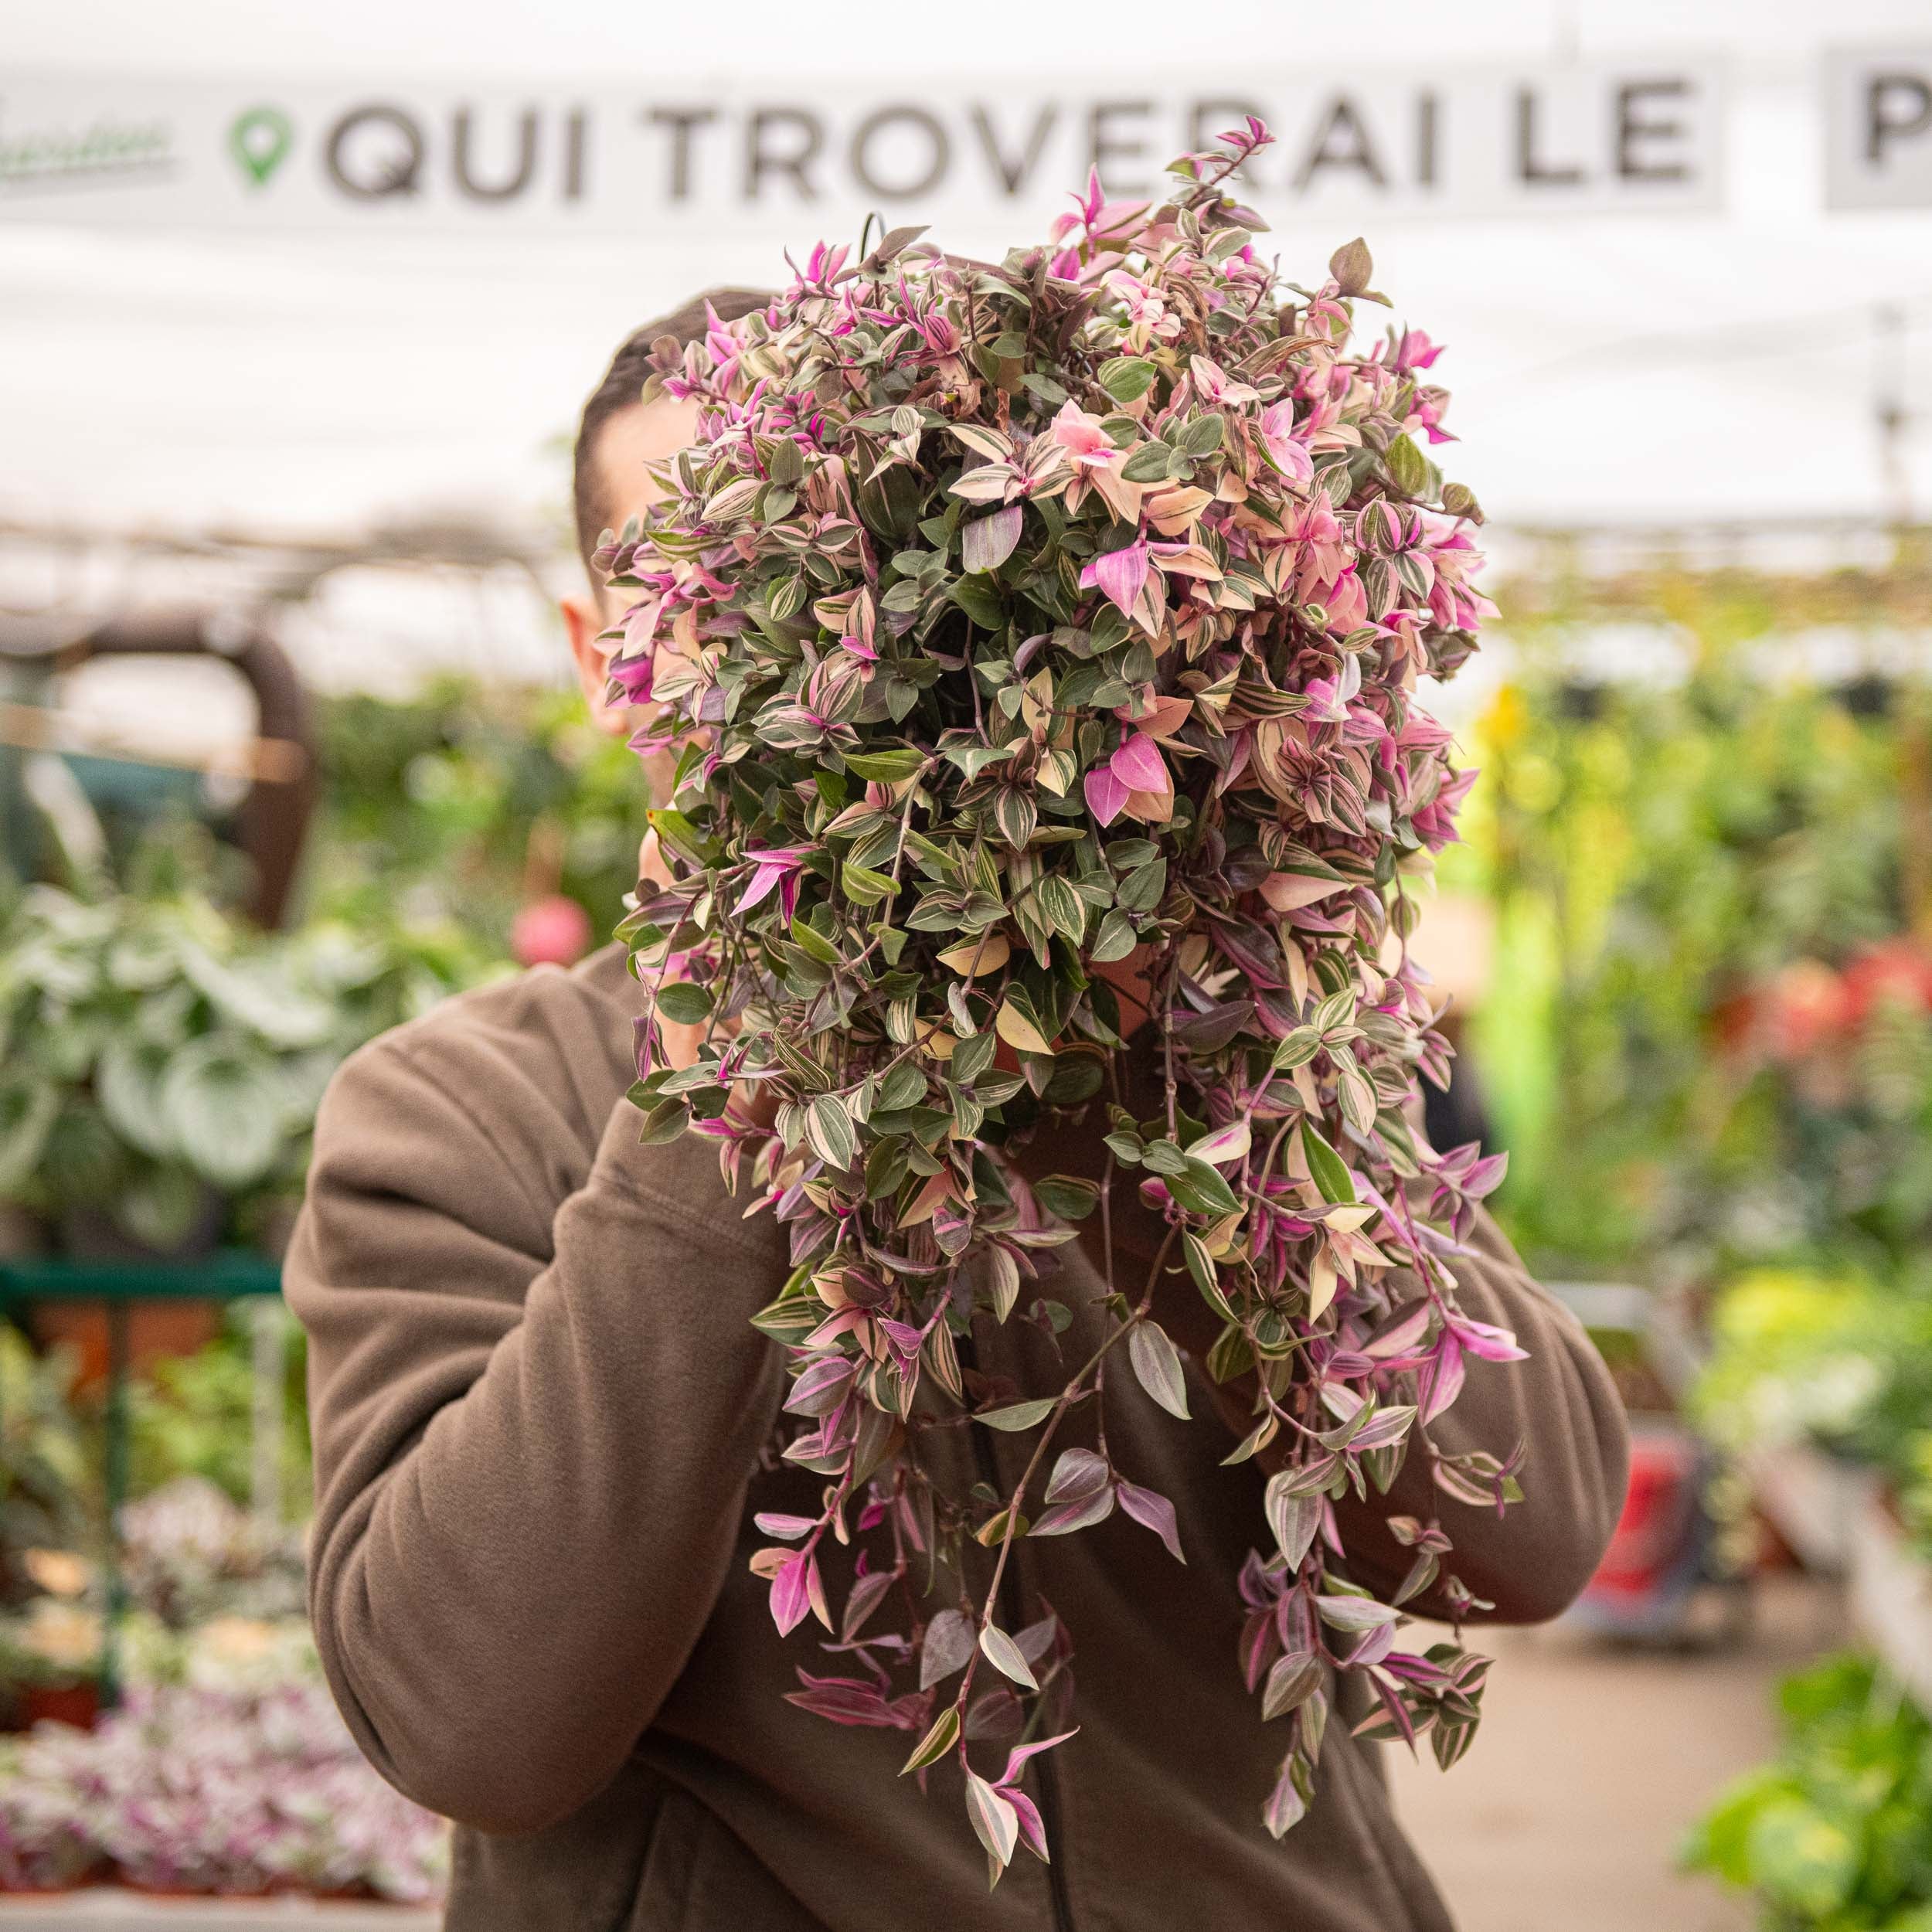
[1040, 642]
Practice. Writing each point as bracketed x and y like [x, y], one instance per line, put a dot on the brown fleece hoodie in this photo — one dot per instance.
[538, 1408]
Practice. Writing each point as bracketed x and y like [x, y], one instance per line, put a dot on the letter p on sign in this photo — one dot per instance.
[1878, 128]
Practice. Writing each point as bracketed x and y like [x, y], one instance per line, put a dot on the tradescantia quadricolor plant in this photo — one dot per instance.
[1021, 628]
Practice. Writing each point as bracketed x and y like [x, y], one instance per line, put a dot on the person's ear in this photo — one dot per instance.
[585, 621]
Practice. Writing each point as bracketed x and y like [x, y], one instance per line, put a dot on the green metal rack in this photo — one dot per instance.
[228, 1274]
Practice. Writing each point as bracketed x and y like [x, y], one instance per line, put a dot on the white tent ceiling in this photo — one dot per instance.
[1621, 369]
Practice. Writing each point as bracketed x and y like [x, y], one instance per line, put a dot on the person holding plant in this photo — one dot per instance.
[554, 1523]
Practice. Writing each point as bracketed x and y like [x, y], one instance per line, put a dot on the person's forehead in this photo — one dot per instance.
[643, 433]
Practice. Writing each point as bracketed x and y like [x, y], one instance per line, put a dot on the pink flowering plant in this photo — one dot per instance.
[1040, 644]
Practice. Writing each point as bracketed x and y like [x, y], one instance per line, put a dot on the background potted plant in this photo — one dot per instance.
[163, 1066]
[50, 1658]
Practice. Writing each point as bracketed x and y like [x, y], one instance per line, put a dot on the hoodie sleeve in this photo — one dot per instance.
[536, 1404]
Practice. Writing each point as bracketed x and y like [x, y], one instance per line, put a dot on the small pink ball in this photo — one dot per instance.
[550, 932]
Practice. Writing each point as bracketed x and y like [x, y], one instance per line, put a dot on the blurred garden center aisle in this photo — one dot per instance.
[1567, 1813]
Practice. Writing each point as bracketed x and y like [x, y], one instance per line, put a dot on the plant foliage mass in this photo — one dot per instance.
[1041, 643]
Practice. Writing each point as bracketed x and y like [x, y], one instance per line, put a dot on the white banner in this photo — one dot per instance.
[1878, 128]
[667, 158]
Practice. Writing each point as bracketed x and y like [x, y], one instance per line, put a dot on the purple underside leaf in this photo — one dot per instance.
[997, 1714]
[846, 1700]
[987, 542]
[1037, 1639]
[1077, 1512]
[1153, 1511]
[948, 1643]
[1079, 1472]
[866, 1595]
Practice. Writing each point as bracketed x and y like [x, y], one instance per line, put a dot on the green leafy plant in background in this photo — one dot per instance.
[159, 1055]
[194, 1415]
[44, 1464]
[1835, 1834]
[1837, 1361]
[1671, 867]
[465, 803]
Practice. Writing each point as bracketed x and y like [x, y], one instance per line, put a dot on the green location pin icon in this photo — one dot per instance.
[259, 141]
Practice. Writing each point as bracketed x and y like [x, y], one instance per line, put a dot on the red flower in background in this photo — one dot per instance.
[1898, 972]
[1806, 1004]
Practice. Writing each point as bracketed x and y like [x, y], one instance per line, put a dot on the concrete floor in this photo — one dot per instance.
[1591, 1762]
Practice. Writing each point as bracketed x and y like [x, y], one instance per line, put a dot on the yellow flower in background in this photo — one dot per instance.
[1507, 718]
[60, 1572]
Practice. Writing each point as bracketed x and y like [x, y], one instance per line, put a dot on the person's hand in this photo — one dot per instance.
[753, 1103]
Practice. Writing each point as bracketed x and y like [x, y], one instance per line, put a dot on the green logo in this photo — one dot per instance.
[259, 141]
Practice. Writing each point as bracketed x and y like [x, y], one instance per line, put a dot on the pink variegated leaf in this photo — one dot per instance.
[1106, 796]
[1258, 1645]
[1385, 1426]
[1138, 765]
[1016, 1759]
[1286, 1807]
[1032, 1831]
[772, 1523]
[821, 1388]
[1400, 1333]
[791, 1593]
[1374, 1645]
[993, 1819]
[1440, 1381]
[1486, 1341]
[1119, 574]
[815, 1593]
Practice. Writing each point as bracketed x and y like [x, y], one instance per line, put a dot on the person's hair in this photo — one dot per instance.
[622, 384]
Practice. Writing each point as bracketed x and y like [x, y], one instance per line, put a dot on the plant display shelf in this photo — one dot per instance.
[1815, 1502]
[114, 1909]
[228, 1274]
[1891, 1596]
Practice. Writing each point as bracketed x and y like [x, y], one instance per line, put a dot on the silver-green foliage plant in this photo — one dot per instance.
[157, 1052]
[1033, 635]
